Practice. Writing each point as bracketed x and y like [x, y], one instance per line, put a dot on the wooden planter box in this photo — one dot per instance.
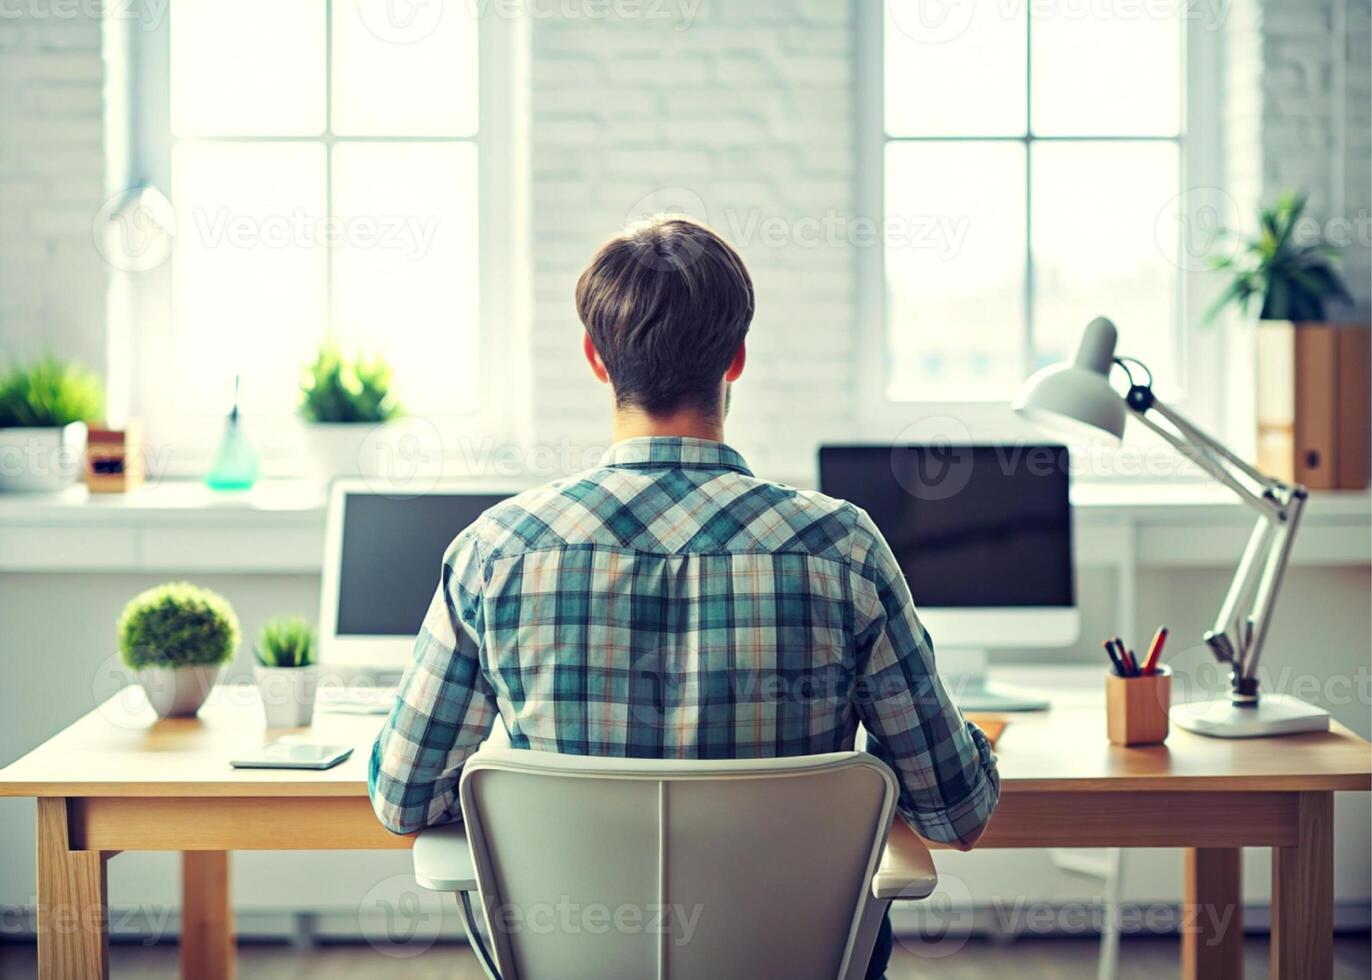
[1314, 404]
[114, 459]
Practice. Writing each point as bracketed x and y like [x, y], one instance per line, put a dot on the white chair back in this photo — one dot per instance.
[613, 868]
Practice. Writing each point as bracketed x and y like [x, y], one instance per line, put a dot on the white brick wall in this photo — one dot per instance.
[744, 116]
[1311, 136]
[52, 168]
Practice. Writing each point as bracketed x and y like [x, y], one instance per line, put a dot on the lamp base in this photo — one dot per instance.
[1274, 714]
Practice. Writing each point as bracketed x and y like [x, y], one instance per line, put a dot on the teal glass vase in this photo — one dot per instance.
[236, 460]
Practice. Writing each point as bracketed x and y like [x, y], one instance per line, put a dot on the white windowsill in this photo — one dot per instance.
[278, 527]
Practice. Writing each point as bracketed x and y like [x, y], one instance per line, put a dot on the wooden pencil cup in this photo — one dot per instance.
[1136, 707]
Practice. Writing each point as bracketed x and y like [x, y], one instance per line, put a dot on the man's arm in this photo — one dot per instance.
[947, 773]
[444, 708]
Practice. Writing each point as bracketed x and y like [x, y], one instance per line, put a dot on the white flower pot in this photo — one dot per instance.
[178, 692]
[341, 449]
[35, 460]
[287, 694]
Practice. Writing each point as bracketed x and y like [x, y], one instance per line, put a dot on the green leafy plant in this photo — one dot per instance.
[1293, 279]
[49, 393]
[287, 641]
[336, 389]
[177, 625]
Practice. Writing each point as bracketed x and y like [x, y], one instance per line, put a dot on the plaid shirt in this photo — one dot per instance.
[668, 604]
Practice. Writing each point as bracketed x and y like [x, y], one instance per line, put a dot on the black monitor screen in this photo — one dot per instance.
[392, 556]
[971, 526]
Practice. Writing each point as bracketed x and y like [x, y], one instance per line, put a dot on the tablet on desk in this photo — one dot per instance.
[293, 754]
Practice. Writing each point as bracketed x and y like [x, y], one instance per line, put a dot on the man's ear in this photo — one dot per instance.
[736, 365]
[593, 359]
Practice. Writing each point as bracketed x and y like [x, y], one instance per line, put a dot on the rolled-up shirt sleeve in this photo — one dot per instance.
[445, 707]
[949, 785]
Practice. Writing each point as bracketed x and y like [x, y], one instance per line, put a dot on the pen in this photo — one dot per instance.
[1110, 652]
[1131, 668]
[1150, 665]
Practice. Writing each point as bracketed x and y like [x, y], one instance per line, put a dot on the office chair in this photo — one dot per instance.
[637, 868]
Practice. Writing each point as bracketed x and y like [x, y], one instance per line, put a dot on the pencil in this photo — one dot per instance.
[1150, 665]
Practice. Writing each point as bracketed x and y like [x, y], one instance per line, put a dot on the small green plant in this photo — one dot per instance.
[338, 390]
[49, 393]
[287, 641]
[1293, 279]
[177, 625]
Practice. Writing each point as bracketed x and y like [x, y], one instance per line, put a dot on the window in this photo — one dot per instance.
[1041, 145]
[339, 172]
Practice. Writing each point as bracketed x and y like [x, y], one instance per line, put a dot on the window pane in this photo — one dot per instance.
[404, 69]
[954, 242]
[405, 267]
[247, 67]
[1107, 71]
[1098, 212]
[249, 271]
[954, 68]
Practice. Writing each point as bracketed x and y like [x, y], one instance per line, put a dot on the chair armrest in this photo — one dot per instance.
[442, 860]
[906, 869]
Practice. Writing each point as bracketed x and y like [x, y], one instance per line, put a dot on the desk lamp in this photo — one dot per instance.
[1077, 399]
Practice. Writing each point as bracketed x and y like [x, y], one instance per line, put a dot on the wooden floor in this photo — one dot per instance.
[1060, 959]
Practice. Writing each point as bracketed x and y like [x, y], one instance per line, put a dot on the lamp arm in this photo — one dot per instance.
[1237, 639]
[1278, 556]
[1231, 649]
[1195, 435]
[1202, 450]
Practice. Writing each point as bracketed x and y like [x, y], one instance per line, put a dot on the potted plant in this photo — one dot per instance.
[343, 402]
[44, 408]
[286, 671]
[177, 638]
[1313, 375]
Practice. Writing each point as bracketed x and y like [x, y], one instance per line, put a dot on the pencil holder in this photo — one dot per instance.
[1136, 707]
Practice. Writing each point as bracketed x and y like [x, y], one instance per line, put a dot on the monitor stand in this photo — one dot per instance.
[964, 675]
[358, 690]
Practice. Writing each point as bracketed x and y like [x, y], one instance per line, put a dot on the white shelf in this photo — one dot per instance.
[278, 527]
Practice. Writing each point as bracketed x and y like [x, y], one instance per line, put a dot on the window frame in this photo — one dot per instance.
[1201, 349]
[140, 315]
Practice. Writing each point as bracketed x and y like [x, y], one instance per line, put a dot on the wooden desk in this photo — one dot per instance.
[119, 780]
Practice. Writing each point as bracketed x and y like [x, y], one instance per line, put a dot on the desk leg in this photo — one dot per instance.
[207, 943]
[1212, 914]
[1303, 895]
[72, 917]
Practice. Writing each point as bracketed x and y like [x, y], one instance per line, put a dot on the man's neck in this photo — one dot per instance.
[687, 423]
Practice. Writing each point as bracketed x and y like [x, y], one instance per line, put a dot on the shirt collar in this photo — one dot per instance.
[674, 452]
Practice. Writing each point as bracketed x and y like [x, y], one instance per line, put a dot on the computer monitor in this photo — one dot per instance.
[982, 533]
[383, 557]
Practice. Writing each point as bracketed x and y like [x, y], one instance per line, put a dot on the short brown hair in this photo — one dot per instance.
[667, 305]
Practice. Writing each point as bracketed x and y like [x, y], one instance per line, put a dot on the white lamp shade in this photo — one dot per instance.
[1076, 398]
